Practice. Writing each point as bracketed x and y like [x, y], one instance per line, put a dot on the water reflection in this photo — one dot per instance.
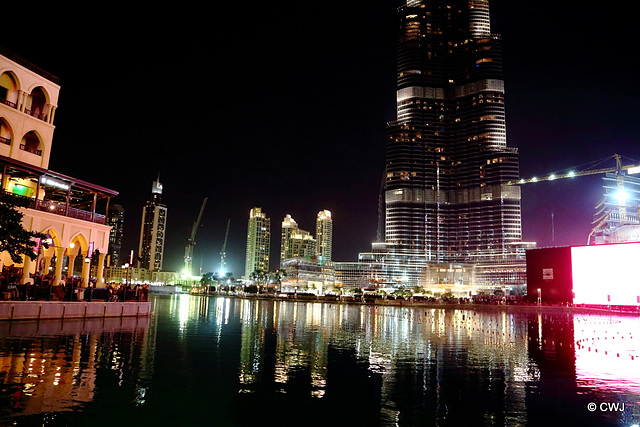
[50, 367]
[222, 361]
[433, 366]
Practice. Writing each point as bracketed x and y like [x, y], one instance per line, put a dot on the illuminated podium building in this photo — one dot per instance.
[69, 210]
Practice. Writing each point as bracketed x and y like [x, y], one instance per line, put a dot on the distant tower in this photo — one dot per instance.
[258, 242]
[115, 219]
[152, 231]
[289, 227]
[447, 160]
[295, 242]
[324, 235]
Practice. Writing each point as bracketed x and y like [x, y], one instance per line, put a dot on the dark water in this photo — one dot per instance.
[207, 361]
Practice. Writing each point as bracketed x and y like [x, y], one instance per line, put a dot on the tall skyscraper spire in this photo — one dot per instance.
[152, 231]
[447, 158]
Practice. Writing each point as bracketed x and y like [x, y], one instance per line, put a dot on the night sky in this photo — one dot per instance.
[283, 105]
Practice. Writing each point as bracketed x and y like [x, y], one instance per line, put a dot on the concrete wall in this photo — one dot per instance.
[48, 310]
[30, 328]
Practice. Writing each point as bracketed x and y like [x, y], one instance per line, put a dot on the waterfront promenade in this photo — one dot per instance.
[432, 303]
[56, 310]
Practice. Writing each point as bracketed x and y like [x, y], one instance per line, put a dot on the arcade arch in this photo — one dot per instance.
[31, 143]
[5, 132]
[8, 89]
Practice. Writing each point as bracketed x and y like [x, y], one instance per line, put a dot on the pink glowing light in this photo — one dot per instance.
[606, 274]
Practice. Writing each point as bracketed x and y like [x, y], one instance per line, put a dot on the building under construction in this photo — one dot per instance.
[616, 217]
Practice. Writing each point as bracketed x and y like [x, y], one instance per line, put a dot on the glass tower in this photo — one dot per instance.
[258, 243]
[115, 219]
[324, 235]
[154, 222]
[295, 242]
[447, 160]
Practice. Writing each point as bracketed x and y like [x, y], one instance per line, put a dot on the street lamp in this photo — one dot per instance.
[539, 296]
[125, 267]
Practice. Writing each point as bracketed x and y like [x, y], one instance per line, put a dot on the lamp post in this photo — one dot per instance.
[127, 280]
[539, 296]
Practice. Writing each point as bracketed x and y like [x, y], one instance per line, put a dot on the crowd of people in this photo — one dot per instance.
[124, 292]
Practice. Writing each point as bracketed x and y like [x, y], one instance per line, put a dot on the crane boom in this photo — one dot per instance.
[571, 174]
[604, 221]
[197, 223]
[191, 241]
[223, 252]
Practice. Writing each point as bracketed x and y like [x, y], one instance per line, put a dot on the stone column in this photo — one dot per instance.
[100, 274]
[47, 262]
[20, 101]
[59, 262]
[52, 115]
[26, 264]
[86, 268]
[72, 261]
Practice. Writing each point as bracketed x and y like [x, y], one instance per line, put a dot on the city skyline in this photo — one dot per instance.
[293, 128]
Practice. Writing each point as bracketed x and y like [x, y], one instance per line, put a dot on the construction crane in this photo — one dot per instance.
[631, 169]
[223, 252]
[191, 241]
[604, 218]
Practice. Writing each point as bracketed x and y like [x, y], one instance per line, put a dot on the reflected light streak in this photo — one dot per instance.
[608, 352]
[183, 311]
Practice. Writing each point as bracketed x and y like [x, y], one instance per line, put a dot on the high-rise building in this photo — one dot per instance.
[115, 219]
[446, 202]
[258, 243]
[324, 235]
[295, 242]
[447, 158]
[152, 231]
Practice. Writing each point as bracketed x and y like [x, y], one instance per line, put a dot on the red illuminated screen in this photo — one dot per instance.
[606, 274]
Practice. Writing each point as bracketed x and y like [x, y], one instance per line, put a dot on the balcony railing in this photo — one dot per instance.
[32, 113]
[40, 116]
[9, 103]
[68, 211]
[31, 150]
[4, 140]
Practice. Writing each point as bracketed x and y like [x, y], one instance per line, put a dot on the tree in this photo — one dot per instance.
[277, 277]
[259, 277]
[208, 280]
[14, 239]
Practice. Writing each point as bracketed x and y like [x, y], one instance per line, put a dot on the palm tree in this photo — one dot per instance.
[259, 277]
[277, 277]
[208, 279]
[14, 238]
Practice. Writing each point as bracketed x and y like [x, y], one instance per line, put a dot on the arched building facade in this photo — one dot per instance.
[70, 211]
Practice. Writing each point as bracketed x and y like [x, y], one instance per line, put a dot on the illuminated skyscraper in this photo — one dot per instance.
[152, 231]
[447, 158]
[295, 242]
[115, 219]
[324, 235]
[258, 243]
